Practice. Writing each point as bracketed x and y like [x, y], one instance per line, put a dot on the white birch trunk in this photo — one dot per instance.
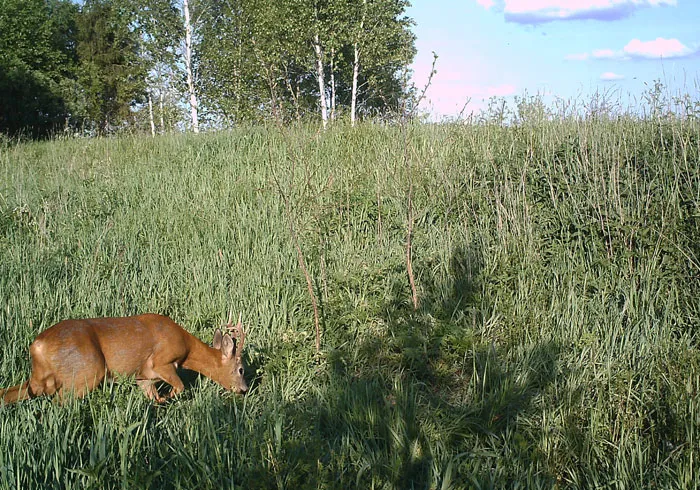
[355, 73]
[356, 67]
[332, 84]
[321, 80]
[150, 115]
[188, 66]
[162, 116]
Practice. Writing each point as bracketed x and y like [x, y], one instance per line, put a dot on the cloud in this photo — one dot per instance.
[541, 11]
[605, 54]
[609, 76]
[596, 54]
[659, 48]
[636, 49]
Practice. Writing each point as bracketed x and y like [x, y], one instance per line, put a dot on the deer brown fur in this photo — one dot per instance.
[75, 356]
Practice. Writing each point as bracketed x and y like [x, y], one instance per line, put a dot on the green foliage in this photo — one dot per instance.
[247, 47]
[159, 27]
[91, 66]
[555, 347]
[386, 47]
[257, 60]
[37, 56]
[111, 70]
[68, 66]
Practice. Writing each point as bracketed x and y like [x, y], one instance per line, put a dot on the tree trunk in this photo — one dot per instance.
[355, 73]
[188, 66]
[293, 94]
[321, 80]
[150, 115]
[356, 66]
[332, 84]
[162, 116]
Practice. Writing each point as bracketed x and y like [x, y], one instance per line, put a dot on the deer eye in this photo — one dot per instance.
[240, 371]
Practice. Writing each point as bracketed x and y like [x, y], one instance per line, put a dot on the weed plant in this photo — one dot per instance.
[555, 344]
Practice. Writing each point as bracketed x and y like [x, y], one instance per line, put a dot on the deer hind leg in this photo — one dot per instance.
[53, 374]
[46, 385]
[15, 393]
[43, 379]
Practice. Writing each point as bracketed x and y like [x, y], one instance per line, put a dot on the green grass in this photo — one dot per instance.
[556, 342]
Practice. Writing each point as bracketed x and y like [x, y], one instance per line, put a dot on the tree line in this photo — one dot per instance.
[103, 66]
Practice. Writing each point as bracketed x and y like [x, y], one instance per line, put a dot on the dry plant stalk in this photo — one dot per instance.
[290, 215]
[409, 197]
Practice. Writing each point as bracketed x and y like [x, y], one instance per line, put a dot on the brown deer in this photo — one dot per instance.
[75, 356]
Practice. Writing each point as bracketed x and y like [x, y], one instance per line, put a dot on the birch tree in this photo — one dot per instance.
[320, 22]
[291, 59]
[356, 61]
[329, 33]
[382, 44]
[338, 25]
[159, 25]
[318, 50]
[255, 60]
[188, 66]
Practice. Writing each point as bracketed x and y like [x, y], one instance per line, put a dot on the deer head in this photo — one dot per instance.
[231, 346]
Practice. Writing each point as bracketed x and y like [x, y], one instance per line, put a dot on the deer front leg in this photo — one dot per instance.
[168, 374]
[149, 389]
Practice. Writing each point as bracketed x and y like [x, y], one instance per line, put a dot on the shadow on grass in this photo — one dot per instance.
[423, 402]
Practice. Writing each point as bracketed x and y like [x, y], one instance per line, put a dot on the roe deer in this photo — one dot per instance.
[74, 356]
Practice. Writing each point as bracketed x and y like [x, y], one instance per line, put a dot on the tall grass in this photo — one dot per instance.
[556, 342]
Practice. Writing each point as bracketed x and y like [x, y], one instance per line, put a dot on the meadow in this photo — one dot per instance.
[554, 345]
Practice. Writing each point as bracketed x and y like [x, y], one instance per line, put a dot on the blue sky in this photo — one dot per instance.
[557, 48]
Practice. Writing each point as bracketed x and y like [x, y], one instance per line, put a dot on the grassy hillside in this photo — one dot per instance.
[557, 268]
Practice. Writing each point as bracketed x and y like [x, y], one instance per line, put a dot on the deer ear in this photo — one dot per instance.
[227, 347]
[217, 339]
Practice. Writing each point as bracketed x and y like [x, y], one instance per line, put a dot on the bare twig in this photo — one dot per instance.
[289, 211]
[409, 246]
[300, 254]
[409, 197]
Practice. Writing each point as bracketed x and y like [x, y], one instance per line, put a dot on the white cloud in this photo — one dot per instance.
[604, 54]
[609, 76]
[659, 48]
[636, 49]
[540, 11]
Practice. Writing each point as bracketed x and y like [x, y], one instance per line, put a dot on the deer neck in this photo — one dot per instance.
[205, 360]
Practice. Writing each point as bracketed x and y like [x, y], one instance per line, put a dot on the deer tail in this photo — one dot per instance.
[15, 393]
